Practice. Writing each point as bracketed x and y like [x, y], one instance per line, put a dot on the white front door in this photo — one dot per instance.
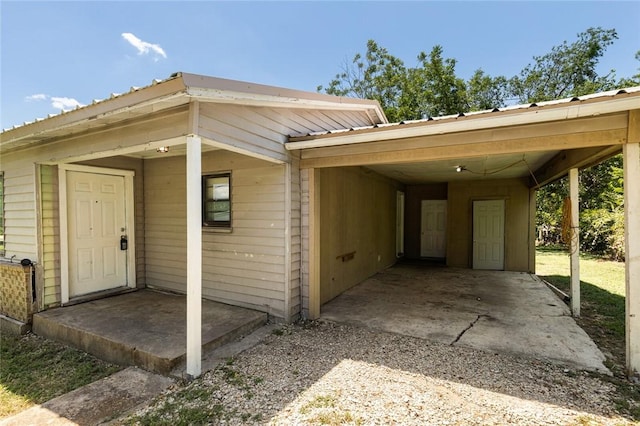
[433, 229]
[96, 222]
[488, 234]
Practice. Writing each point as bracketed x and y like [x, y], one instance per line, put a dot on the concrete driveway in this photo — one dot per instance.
[498, 311]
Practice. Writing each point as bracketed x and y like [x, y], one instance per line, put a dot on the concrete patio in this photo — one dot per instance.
[507, 312]
[145, 328]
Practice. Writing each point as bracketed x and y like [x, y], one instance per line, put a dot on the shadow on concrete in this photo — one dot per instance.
[498, 311]
[145, 328]
[602, 315]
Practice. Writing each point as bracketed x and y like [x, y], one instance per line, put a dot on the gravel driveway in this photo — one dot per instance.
[325, 373]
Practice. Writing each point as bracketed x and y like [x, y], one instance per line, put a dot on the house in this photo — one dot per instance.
[279, 200]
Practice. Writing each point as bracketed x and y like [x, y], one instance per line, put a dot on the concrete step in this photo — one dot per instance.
[145, 328]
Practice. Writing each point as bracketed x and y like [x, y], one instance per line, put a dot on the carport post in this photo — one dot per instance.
[194, 256]
[631, 158]
[575, 242]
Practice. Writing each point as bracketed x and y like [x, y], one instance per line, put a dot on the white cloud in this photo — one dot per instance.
[65, 103]
[36, 97]
[144, 47]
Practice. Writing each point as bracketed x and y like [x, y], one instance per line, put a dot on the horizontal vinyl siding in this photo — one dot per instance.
[244, 267]
[304, 241]
[295, 301]
[19, 207]
[50, 218]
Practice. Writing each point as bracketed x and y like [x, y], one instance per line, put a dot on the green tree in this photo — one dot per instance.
[486, 92]
[375, 75]
[568, 70]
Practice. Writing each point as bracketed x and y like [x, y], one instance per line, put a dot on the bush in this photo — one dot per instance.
[602, 233]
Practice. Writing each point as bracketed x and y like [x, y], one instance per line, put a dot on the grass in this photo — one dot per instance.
[602, 313]
[34, 370]
[602, 293]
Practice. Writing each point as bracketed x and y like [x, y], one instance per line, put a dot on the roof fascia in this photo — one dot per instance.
[464, 124]
[127, 102]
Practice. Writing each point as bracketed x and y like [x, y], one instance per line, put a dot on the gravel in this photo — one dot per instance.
[325, 373]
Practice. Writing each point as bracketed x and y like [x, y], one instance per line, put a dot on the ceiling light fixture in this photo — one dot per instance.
[162, 149]
[460, 169]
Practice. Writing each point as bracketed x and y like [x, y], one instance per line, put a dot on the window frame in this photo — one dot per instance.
[216, 224]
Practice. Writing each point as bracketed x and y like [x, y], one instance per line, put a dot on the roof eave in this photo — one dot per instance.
[463, 124]
[127, 102]
[224, 90]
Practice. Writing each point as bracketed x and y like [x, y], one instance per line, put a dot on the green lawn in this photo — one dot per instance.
[34, 370]
[602, 292]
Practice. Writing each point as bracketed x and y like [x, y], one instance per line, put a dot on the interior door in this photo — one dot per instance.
[96, 221]
[433, 229]
[488, 234]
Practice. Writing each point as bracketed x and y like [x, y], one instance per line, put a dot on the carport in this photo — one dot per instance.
[495, 311]
[460, 190]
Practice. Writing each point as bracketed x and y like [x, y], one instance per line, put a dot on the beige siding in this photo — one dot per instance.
[50, 222]
[357, 235]
[304, 241]
[295, 299]
[19, 206]
[515, 192]
[243, 267]
[243, 129]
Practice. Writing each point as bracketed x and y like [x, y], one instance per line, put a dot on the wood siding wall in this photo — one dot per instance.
[295, 295]
[50, 223]
[517, 247]
[244, 267]
[358, 231]
[304, 240]
[19, 206]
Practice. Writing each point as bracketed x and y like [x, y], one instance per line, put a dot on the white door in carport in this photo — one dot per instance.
[488, 234]
[433, 229]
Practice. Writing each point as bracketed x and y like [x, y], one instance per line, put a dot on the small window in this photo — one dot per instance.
[2, 214]
[216, 200]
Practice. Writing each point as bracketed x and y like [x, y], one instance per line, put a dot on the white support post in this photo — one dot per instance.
[631, 158]
[194, 257]
[575, 242]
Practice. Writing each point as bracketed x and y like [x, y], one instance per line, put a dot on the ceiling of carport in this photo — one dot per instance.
[488, 167]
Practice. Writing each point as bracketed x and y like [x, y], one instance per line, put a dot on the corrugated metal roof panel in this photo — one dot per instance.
[610, 93]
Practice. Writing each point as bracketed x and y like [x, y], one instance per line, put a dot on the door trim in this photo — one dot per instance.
[64, 231]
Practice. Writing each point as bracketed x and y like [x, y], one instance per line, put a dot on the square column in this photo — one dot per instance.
[631, 158]
[575, 242]
[194, 256]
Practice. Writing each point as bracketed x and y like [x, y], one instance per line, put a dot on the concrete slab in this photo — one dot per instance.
[97, 402]
[499, 311]
[144, 328]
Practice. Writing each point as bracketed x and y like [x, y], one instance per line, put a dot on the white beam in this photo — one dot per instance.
[575, 242]
[194, 256]
[631, 155]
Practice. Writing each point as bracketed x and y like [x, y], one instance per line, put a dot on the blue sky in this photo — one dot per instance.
[58, 54]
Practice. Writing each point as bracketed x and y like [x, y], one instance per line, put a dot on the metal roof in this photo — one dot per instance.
[201, 86]
[179, 90]
[458, 117]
